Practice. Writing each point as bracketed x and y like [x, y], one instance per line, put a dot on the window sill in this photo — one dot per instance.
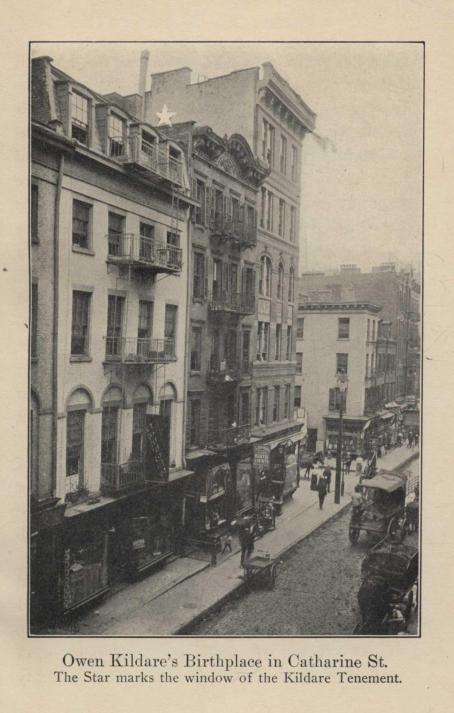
[80, 358]
[83, 251]
[343, 339]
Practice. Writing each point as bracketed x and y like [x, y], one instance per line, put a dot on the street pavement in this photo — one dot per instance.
[173, 599]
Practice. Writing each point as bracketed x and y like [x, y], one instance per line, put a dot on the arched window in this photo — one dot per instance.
[291, 285]
[280, 281]
[79, 402]
[111, 405]
[265, 276]
[142, 399]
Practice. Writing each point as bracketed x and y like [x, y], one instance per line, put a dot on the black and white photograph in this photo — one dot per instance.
[225, 384]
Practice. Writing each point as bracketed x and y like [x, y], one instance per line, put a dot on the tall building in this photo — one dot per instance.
[398, 291]
[226, 179]
[260, 106]
[109, 203]
[348, 338]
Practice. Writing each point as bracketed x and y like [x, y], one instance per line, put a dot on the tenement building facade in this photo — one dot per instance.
[110, 201]
[260, 106]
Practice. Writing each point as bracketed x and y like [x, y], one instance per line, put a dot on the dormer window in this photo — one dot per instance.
[79, 118]
[117, 134]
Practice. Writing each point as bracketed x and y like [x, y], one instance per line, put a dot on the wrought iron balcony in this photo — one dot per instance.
[143, 253]
[130, 351]
[232, 302]
[224, 226]
[116, 478]
[225, 371]
[228, 437]
[137, 151]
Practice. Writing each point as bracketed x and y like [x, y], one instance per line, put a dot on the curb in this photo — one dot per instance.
[186, 628]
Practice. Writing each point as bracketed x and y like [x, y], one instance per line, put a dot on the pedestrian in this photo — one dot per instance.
[227, 544]
[416, 439]
[322, 490]
[314, 481]
[307, 472]
[359, 465]
[327, 477]
[348, 462]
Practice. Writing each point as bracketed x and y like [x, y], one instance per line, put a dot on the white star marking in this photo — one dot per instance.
[165, 116]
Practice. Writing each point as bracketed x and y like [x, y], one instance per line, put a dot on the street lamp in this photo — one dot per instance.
[342, 385]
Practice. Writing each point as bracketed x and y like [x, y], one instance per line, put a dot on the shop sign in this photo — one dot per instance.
[157, 446]
[262, 457]
[244, 484]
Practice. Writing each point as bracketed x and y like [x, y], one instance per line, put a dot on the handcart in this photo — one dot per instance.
[261, 567]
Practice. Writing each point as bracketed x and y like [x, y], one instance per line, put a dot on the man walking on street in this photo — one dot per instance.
[322, 488]
[327, 477]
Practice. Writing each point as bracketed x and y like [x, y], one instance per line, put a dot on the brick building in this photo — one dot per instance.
[109, 202]
[259, 105]
[398, 291]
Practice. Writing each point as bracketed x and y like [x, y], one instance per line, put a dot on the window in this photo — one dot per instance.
[372, 365]
[270, 213]
[231, 347]
[170, 327]
[342, 363]
[287, 401]
[292, 224]
[343, 326]
[233, 278]
[200, 211]
[294, 168]
[194, 422]
[145, 328]
[117, 131]
[280, 282]
[297, 397]
[81, 225]
[300, 328]
[262, 207]
[80, 323]
[263, 340]
[283, 156]
[288, 356]
[34, 321]
[291, 285]
[281, 226]
[335, 397]
[250, 216]
[235, 210]
[196, 348]
[115, 306]
[299, 362]
[146, 247]
[34, 213]
[139, 420]
[373, 330]
[79, 118]
[278, 342]
[173, 239]
[165, 408]
[218, 204]
[368, 330]
[277, 403]
[261, 406]
[246, 351]
[265, 276]
[367, 365]
[268, 142]
[198, 289]
[75, 422]
[244, 408]
[109, 435]
[116, 228]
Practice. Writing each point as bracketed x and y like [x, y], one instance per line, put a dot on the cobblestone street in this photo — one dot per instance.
[315, 592]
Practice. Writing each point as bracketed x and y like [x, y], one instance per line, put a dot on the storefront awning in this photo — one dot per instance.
[199, 453]
[292, 438]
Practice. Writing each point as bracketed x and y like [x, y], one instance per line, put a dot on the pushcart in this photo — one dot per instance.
[261, 567]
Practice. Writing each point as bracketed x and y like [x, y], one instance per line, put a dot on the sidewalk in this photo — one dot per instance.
[170, 600]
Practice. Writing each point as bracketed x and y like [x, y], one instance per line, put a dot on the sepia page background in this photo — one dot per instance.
[423, 664]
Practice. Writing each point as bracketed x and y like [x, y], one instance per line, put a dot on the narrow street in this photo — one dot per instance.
[315, 592]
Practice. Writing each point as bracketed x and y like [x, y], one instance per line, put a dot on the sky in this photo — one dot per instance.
[361, 197]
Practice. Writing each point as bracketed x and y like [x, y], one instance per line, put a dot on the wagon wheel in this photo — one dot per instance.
[273, 575]
[353, 533]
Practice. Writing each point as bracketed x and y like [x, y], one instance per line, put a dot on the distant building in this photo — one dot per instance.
[345, 337]
[398, 291]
